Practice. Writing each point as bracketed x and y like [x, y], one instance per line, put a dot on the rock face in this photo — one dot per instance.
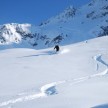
[70, 26]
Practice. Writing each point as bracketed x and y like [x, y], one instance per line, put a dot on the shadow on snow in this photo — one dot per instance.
[101, 106]
[42, 54]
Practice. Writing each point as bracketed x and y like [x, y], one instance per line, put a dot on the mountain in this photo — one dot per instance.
[71, 26]
[76, 77]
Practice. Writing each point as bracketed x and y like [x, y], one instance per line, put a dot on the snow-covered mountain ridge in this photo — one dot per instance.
[72, 25]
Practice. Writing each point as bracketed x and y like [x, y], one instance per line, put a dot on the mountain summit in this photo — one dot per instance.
[70, 26]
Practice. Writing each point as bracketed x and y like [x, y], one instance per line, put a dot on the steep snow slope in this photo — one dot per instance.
[76, 77]
[74, 25]
[70, 26]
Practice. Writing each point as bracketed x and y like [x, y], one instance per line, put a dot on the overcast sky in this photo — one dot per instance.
[33, 11]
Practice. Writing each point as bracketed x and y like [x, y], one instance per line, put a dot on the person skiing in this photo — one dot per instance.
[56, 48]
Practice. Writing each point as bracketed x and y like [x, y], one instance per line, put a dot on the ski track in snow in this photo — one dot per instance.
[46, 90]
[98, 59]
[21, 99]
[50, 89]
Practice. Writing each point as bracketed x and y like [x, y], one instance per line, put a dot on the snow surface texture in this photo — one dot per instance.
[71, 26]
[75, 77]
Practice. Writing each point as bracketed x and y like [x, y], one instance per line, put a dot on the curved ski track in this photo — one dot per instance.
[50, 89]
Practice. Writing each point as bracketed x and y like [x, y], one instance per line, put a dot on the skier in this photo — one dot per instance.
[56, 48]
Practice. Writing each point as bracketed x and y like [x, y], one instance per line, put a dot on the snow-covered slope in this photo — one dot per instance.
[76, 77]
[70, 26]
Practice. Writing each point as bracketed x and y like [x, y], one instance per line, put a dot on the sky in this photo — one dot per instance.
[33, 11]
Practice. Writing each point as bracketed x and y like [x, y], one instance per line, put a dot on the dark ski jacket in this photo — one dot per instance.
[57, 48]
